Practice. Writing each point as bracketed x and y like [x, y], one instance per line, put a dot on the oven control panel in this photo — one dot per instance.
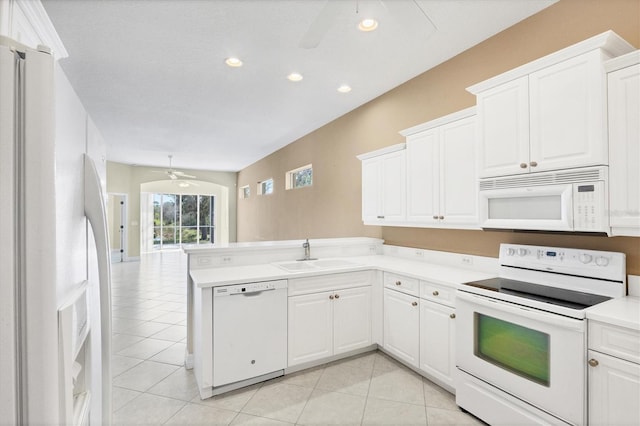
[581, 262]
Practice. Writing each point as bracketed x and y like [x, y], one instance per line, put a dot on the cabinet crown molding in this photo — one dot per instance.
[623, 61]
[610, 43]
[382, 151]
[449, 118]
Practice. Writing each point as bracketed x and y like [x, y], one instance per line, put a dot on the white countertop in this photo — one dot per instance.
[623, 312]
[446, 275]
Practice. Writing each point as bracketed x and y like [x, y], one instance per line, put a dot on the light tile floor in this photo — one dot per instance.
[152, 387]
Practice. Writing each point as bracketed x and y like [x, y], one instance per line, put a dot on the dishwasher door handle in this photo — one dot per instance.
[252, 293]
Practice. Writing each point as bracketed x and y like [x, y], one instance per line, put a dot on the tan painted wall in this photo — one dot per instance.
[126, 179]
[331, 208]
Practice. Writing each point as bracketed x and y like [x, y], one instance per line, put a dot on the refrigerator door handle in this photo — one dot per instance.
[95, 211]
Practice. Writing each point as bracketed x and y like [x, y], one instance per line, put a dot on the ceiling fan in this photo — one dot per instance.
[174, 174]
[407, 12]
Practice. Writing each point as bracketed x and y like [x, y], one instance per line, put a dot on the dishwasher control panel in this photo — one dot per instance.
[249, 288]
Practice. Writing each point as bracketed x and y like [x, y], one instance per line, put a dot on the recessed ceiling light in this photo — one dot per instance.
[294, 76]
[368, 24]
[183, 185]
[344, 89]
[233, 62]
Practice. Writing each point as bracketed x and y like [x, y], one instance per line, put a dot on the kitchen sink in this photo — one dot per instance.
[333, 263]
[310, 265]
[296, 266]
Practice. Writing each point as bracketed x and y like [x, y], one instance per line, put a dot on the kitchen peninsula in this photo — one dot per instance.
[351, 272]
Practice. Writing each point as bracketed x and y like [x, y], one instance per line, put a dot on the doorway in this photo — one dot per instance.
[117, 220]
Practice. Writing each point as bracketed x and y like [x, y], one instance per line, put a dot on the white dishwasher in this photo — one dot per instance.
[249, 331]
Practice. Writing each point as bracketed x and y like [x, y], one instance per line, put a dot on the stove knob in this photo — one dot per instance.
[522, 252]
[585, 258]
[602, 261]
[511, 252]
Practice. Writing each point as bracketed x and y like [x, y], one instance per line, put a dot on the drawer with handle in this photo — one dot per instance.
[437, 293]
[401, 283]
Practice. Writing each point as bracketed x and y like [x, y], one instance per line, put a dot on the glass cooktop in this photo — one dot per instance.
[541, 293]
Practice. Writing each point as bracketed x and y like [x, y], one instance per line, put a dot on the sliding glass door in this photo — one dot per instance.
[182, 219]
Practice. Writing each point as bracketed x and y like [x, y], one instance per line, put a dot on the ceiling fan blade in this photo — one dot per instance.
[413, 18]
[319, 27]
[183, 174]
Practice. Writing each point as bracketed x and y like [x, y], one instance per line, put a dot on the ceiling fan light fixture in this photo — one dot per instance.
[183, 185]
[233, 62]
[294, 76]
[344, 88]
[368, 24]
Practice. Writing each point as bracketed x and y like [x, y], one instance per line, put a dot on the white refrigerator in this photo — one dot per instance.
[55, 324]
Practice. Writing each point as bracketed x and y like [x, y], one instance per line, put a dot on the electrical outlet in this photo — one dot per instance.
[467, 260]
[419, 254]
[227, 260]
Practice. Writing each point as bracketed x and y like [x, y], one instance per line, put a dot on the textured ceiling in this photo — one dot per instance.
[151, 73]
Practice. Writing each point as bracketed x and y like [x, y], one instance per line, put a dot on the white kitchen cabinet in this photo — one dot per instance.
[441, 172]
[401, 326]
[624, 144]
[351, 319]
[549, 114]
[328, 323]
[503, 129]
[437, 332]
[614, 390]
[437, 341]
[384, 185]
[310, 327]
[613, 373]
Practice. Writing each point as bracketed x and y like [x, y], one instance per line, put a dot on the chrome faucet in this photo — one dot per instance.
[307, 250]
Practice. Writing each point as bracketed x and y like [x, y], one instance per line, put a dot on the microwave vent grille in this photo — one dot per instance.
[537, 179]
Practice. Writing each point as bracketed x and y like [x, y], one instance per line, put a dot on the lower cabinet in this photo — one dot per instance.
[328, 323]
[614, 374]
[402, 326]
[437, 341]
[614, 390]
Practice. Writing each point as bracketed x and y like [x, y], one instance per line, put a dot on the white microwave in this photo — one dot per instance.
[574, 200]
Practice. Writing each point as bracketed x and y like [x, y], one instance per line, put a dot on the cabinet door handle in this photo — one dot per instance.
[533, 164]
[593, 362]
[398, 282]
[452, 316]
[331, 296]
[435, 293]
[440, 217]
[435, 217]
[414, 303]
[337, 296]
[380, 217]
[523, 165]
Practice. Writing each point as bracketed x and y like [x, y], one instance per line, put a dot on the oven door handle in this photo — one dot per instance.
[527, 312]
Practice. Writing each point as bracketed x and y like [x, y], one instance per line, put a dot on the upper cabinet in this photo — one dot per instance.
[384, 186]
[430, 181]
[549, 114]
[624, 143]
[441, 171]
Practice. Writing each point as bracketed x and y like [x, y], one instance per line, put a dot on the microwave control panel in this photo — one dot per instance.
[588, 207]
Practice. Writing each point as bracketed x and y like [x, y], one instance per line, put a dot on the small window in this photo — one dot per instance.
[265, 187]
[245, 192]
[300, 177]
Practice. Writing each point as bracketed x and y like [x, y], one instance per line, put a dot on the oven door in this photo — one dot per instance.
[539, 208]
[533, 355]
